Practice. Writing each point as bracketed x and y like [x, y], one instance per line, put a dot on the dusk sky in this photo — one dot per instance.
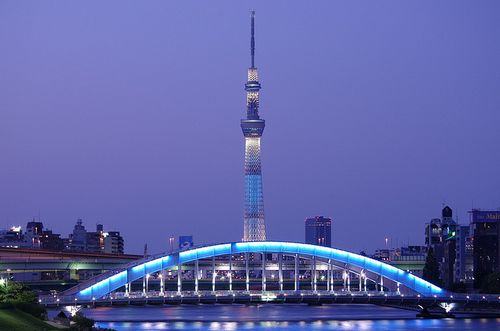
[127, 113]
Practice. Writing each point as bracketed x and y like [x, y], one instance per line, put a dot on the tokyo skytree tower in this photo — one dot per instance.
[253, 127]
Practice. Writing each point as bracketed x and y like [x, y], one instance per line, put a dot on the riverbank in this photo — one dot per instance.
[13, 319]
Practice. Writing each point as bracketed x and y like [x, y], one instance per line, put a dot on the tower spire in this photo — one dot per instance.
[252, 39]
[254, 228]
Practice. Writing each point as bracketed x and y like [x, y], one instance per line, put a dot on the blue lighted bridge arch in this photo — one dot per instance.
[115, 279]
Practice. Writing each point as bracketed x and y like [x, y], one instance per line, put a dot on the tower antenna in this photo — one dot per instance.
[252, 39]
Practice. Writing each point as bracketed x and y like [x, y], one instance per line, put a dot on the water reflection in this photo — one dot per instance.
[277, 317]
[441, 324]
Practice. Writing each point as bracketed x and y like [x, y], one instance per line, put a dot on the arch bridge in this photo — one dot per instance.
[248, 267]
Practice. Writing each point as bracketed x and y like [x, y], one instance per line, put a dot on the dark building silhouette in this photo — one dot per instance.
[51, 241]
[441, 235]
[486, 242]
[78, 239]
[464, 266]
[318, 231]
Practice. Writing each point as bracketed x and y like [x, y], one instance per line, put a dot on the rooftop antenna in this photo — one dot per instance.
[252, 39]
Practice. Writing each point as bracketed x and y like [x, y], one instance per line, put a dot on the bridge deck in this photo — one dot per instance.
[487, 304]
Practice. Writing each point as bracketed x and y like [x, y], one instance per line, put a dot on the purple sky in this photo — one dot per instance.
[127, 113]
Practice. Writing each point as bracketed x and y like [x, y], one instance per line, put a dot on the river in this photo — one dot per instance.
[276, 317]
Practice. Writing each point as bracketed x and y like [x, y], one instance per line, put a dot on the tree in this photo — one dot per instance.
[431, 268]
[16, 293]
[491, 283]
[82, 323]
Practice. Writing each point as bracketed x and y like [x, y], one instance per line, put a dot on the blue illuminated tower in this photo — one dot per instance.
[253, 126]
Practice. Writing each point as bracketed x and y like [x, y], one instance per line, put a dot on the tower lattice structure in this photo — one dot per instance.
[253, 127]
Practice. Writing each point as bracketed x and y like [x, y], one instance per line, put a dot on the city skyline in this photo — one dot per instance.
[114, 123]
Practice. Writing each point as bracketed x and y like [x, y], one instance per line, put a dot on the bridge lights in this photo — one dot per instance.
[39, 300]
[467, 297]
[418, 295]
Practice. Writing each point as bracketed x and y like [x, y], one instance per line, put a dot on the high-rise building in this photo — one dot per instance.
[33, 232]
[464, 258]
[440, 234]
[447, 265]
[318, 231]
[78, 239]
[253, 127]
[185, 242]
[95, 240]
[113, 242]
[485, 226]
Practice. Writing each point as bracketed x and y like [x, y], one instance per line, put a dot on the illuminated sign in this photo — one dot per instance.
[485, 215]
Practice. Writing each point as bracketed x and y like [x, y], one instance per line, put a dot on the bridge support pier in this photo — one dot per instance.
[127, 289]
[381, 284]
[263, 272]
[230, 273]
[145, 284]
[179, 278]
[331, 276]
[162, 283]
[328, 276]
[296, 273]
[247, 274]
[214, 274]
[196, 275]
[313, 274]
[280, 271]
[348, 282]
[360, 280]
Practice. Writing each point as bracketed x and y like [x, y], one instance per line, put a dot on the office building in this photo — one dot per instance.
[440, 234]
[318, 231]
[113, 242]
[78, 239]
[185, 242]
[464, 266]
[485, 227]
